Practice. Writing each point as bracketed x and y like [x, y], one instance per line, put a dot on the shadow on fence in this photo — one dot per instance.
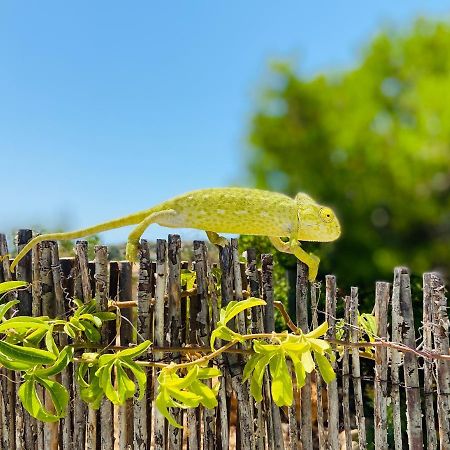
[400, 400]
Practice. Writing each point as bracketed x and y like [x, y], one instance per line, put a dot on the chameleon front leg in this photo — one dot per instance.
[293, 247]
[216, 239]
[161, 217]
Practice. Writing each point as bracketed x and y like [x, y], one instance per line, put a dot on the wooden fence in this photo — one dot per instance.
[400, 400]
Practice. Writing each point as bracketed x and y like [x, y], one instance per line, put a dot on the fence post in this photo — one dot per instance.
[315, 294]
[160, 290]
[428, 364]
[346, 378]
[126, 434]
[410, 366]
[82, 291]
[396, 359]
[7, 385]
[302, 289]
[202, 320]
[142, 408]
[101, 296]
[257, 327]
[25, 431]
[269, 324]
[356, 370]
[175, 435]
[333, 398]
[441, 335]
[381, 366]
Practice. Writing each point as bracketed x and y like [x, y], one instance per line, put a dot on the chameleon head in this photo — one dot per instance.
[315, 222]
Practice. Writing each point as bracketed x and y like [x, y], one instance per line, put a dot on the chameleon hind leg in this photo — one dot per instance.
[216, 239]
[293, 247]
[165, 218]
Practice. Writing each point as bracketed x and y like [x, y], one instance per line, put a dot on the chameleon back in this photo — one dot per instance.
[234, 210]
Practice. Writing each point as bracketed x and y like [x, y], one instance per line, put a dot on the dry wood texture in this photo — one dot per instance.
[156, 305]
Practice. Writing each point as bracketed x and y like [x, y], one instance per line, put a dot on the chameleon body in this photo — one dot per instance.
[227, 210]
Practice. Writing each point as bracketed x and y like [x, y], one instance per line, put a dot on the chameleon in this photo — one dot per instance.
[227, 210]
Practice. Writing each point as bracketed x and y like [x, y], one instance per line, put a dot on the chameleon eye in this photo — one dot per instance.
[326, 214]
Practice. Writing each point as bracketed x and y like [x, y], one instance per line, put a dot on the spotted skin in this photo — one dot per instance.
[227, 210]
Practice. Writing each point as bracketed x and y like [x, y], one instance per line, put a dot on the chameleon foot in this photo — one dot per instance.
[313, 266]
[216, 239]
[132, 251]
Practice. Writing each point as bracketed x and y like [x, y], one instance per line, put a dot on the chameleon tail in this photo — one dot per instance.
[117, 223]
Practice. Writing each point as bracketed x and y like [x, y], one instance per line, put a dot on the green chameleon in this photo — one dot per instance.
[227, 210]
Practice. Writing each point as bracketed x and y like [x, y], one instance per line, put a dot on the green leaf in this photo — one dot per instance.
[188, 278]
[281, 381]
[64, 358]
[34, 338]
[125, 387]
[90, 331]
[187, 398]
[50, 341]
[319, 331]
[208, 372]
[15, 365]
[224, 333]
[94, 319]
[6, 307]
[105, 316]
[300, 373]
[134, 352]
[250, 365]
[26, 354]
[235, 307]
[7, 286]
[104, 377]
[162, 405]
[307, 361]
[23, 323]
[70, 331]
[208, 397]
[319, 345]
[258, 374]
[140, 376]
[368, 323]
[325, 368]
[32, 403]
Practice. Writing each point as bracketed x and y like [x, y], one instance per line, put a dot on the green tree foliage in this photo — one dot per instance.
[373, 142]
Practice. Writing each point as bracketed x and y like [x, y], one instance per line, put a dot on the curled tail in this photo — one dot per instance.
[117, 223]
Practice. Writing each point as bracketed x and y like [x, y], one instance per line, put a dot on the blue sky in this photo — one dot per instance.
[109, 107]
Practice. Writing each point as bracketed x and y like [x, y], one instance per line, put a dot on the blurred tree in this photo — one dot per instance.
[373, 143]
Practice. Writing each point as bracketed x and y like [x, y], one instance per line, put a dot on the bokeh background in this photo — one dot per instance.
[107, 108]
